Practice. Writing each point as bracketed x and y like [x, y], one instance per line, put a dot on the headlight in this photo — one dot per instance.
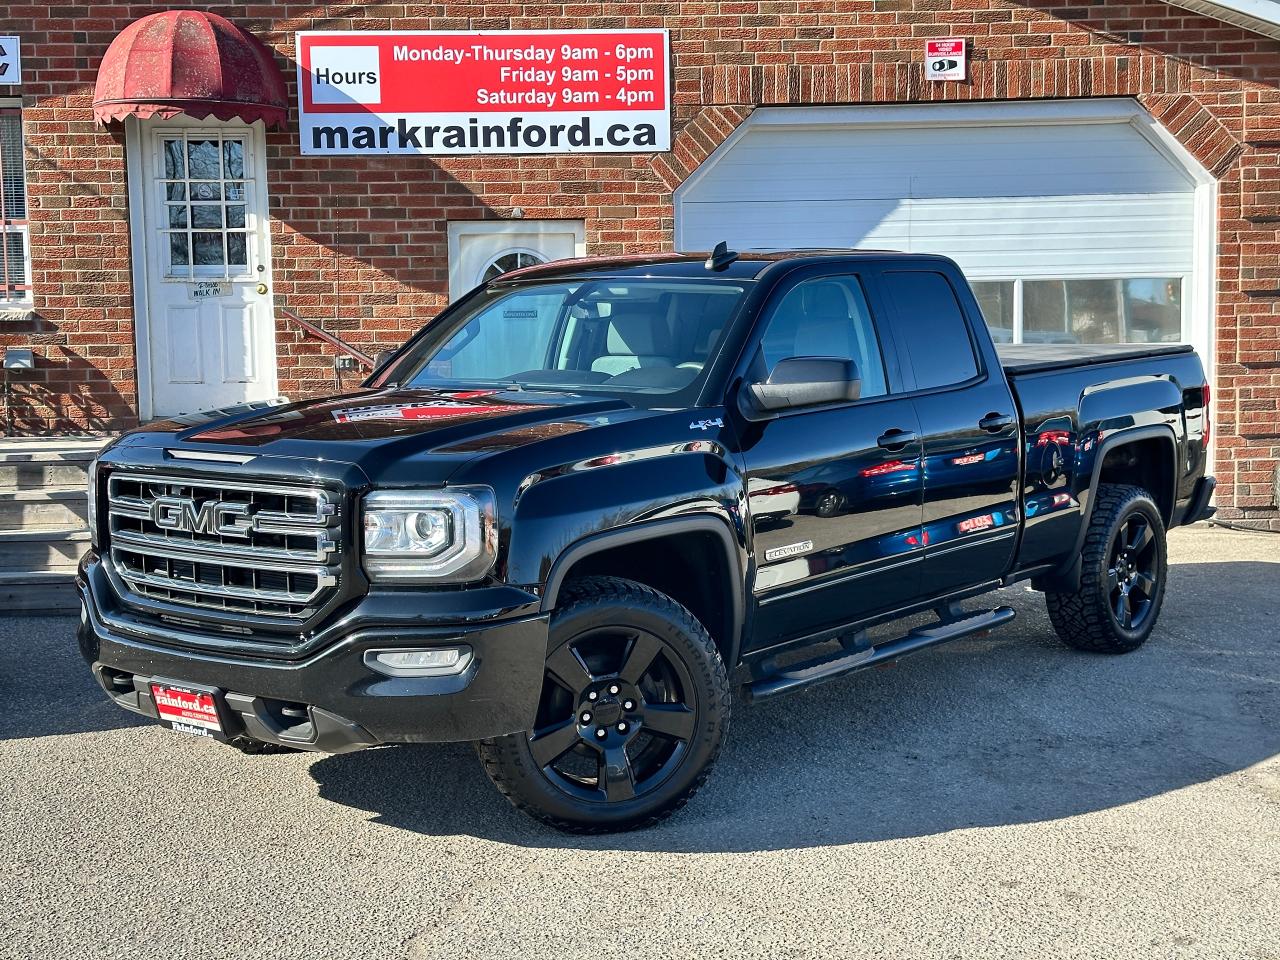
[413, 536]
[91, 514]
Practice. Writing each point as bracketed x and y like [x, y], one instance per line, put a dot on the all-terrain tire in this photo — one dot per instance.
[1087, 618]
[594, 606]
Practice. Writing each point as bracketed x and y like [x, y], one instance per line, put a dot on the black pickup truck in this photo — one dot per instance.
[594, 498]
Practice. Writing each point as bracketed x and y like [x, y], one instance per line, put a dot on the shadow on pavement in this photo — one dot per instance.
[1010, 729]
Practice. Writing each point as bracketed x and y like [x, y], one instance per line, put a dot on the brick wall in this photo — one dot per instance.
[360, 244]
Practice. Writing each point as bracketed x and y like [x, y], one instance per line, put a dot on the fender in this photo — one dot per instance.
[1068, 573]
[653, 530]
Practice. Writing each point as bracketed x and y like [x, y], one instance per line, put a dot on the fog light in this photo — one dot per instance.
[430, 662]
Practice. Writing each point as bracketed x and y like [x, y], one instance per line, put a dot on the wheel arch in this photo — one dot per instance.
[1159, 436]
[630, 552]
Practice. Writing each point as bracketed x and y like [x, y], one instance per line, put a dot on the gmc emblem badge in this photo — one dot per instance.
[184, 515]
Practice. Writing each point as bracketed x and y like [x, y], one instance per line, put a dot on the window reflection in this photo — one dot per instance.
[1084, 310]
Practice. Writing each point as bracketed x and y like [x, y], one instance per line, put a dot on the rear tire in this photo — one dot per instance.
[1124, 565]
[635, 707]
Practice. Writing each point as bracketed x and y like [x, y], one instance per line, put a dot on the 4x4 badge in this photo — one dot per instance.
[706, 424]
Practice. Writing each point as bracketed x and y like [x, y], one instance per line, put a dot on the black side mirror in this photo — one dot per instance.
[802, 382]
[382, 358]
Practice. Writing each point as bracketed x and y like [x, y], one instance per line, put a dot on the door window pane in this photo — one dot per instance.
[237, 251]
[931, 328]
[995, 297]
[207, 249]
[233, 159]
[1102, 311]
[174, 168]
[206, 215]
[827, 317]
[178, 255]
[203, 161]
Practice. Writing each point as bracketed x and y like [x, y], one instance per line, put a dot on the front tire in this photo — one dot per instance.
[1124, 565]
[635, 707]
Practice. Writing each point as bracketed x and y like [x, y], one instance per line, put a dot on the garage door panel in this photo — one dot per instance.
[1059, 236]
[775, 225]
[941, 162]
[1006, 201]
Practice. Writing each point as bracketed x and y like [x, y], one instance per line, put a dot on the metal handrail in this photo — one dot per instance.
[336, 342]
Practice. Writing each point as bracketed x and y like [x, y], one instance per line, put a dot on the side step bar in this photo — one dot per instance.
[811, 672]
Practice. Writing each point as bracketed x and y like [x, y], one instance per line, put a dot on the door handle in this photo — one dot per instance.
[995, 422]
[262, 289]
[895, 439]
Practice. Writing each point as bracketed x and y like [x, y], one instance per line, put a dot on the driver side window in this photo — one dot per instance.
[827, 317]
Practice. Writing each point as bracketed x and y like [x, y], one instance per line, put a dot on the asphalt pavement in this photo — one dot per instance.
[1001, 797]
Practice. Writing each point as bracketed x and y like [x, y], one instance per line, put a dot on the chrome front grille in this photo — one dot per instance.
[260, 549]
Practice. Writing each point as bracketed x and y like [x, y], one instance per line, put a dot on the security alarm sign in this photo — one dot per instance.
[945, 59]
[563, 91]
[10, 60]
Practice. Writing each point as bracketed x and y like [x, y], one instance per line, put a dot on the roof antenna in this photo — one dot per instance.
[721, 257]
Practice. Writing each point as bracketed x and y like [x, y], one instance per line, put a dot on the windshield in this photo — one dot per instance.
[633, 336]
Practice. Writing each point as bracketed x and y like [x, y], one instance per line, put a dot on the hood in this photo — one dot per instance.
[435, 430]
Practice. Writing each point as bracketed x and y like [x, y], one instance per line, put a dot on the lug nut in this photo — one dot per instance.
[586, 717]
[628, 704]
[622, 728]
[592, 695]
[601, 733]
[614, 688]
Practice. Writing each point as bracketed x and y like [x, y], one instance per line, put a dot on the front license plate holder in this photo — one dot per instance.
[189, 708]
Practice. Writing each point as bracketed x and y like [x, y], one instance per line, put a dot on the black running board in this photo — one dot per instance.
[811, 672]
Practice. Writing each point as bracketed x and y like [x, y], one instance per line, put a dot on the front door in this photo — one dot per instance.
[206, 334]
[835, 494]
[480, 250]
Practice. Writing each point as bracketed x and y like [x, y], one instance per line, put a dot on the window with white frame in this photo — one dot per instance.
[1084, 310]
[15, 249]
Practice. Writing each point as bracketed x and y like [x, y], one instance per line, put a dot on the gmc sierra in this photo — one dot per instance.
[590, 494]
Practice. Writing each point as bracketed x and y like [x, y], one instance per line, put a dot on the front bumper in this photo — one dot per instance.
[331, 701]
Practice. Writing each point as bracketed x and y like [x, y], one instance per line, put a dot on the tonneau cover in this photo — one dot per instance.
[1034, 357]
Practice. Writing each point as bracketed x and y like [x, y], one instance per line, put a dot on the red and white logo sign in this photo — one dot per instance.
[193, 708]
[570, 91]
[946, 59]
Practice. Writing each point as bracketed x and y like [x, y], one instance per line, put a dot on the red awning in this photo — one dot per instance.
[193, 63]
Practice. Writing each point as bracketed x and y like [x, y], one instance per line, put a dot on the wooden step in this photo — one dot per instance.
[42, 549]
[52, 508]
[40, 474]
[38, 593]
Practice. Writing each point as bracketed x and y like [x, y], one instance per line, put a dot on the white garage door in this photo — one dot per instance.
[1074, 221]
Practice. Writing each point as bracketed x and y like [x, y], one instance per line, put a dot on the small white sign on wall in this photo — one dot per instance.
[946, 59]
[10, 61]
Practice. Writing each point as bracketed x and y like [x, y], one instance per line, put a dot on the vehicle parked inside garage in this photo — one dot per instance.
[538, 526]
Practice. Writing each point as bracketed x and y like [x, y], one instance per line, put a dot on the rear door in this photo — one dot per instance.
[835, 493]
[969, 428]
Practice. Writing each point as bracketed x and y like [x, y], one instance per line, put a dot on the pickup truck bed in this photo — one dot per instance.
[1037, 357]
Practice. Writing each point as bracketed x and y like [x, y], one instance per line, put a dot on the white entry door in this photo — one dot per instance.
[480, 250]
[206, 334]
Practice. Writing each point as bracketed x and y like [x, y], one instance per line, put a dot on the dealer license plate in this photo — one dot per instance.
[192, 710]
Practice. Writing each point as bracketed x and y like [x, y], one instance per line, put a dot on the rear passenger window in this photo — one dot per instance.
[931, 328]
[826, 318]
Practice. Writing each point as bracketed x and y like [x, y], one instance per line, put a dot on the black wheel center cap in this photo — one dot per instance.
[607, 711]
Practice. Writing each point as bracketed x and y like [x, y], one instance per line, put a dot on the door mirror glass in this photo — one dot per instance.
[803, 382]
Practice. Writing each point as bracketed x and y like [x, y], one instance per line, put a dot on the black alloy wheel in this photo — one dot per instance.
[1132, 573]
[618, 716]
[1123, 567]
[634, 708]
